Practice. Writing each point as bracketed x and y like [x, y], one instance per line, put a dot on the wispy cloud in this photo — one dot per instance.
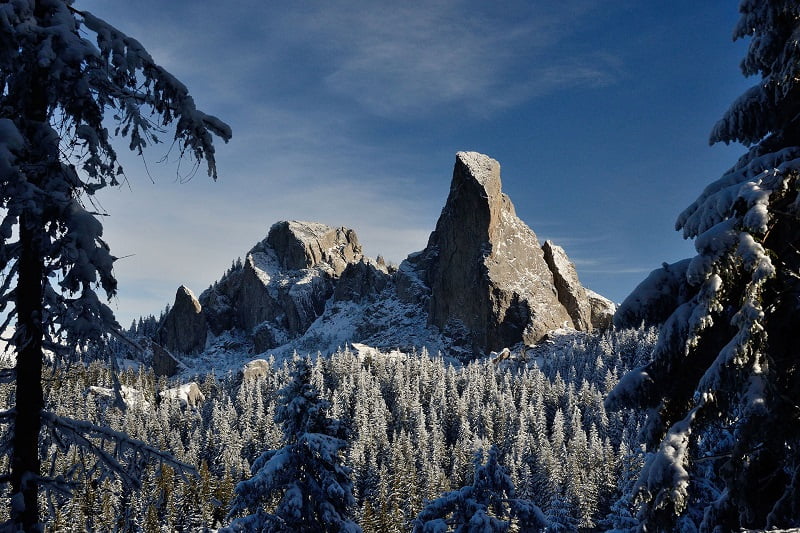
[392, 59]
[413, 57]
[302, 84]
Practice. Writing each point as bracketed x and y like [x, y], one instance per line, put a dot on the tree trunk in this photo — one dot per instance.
[30, 90]
[25, 462]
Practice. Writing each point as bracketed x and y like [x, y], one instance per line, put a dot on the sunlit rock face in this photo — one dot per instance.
[572, 295]
[486, 270]
[482, 283]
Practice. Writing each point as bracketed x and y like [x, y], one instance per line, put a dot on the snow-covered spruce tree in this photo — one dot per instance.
[488, 505]
[306, 479]
[723, 386]
[61, 70]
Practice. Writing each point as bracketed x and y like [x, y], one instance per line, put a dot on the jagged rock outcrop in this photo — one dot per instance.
[184, 328]
[255, 370]
[164, 363]
[411, 280]
[485, 269]
[362, 281]
[482, 283]
[571, 293]
[300, 245]
[187, 395]
[277, 292]
[288, 301]
[602, 310]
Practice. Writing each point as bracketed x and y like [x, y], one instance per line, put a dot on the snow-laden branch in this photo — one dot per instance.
[91, 437]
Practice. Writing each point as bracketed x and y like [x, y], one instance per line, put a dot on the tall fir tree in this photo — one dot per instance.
[726, 358]
[312, 487]
[55, 88]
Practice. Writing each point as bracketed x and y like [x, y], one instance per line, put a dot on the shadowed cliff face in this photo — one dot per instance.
[488, 271]
[184, 328]
[482, 283]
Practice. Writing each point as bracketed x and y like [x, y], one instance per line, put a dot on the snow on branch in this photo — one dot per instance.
[750, 182]
[124, 449]
[160, 90]
[664, 476]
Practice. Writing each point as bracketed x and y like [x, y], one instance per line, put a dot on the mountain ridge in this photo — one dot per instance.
[483, 282]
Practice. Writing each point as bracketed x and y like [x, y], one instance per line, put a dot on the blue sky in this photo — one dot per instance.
[351, 114]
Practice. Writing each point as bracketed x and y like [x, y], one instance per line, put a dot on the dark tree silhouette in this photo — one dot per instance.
[55, 153]
[723, 388]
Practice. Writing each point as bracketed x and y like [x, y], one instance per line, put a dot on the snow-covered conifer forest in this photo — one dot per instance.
[415, 425]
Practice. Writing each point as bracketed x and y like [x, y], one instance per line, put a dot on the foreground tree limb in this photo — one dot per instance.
[55, 152]
[723, 387]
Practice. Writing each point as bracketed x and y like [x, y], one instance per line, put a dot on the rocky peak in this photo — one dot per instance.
[276, 293]
[482, 283]
[487, 272]
[571, 293]
[300, 245]
[184, 328]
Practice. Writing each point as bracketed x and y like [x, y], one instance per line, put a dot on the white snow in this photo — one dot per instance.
[664, 473]
[132, 397]
[265, 265]
[308, 231]
[363, 352]
[749, 182]
[188, 394]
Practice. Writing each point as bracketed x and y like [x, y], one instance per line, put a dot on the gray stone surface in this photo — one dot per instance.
[411, 278]
[603, 310]
[164, 363]
[571, 293]
[284, 282]
[361, 282]
[255, 370]
[266, 336]
[488, 275]
[184, 328]
[300, 245]
[188, 394]
[254, 302]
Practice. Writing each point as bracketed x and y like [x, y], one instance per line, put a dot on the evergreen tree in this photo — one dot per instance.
[56, 87]
[560, 515]
[313, 488]
[393, 471]
[489, 505]
[727, 357]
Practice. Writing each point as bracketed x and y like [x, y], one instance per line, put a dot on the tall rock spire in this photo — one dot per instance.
[489, 274]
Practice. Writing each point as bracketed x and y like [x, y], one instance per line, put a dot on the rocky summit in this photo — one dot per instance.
[279, 290]
[483, 282]
[490, 286]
